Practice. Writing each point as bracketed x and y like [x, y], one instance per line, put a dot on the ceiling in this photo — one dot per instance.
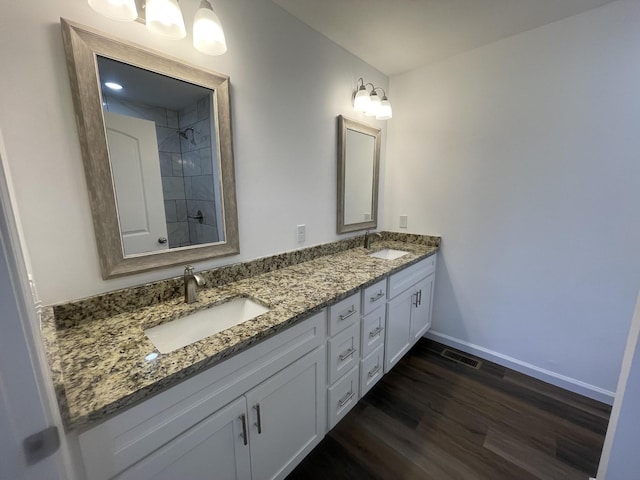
[395, 36]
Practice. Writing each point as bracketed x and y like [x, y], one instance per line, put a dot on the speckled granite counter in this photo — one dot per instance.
[98, 356]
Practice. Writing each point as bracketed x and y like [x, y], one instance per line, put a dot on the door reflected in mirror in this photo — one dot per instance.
[164, 159]
[358, 165]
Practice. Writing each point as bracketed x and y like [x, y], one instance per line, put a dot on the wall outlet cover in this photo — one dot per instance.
[302, 233]
[403, 221]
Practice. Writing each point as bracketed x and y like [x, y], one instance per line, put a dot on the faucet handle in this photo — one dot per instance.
[188, 270]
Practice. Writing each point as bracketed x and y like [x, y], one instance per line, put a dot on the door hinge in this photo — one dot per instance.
[41, 445]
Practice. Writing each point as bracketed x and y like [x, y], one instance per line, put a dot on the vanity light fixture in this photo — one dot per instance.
[123, 10]
[369, 102]
[208, 36]
[164, 17]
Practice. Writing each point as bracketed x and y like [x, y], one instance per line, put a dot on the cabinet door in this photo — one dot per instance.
[213, 449]
[398, 331]
[421, 314]
[288, 414]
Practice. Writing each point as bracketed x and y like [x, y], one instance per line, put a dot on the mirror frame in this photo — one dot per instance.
[345, 124]
[82, 45]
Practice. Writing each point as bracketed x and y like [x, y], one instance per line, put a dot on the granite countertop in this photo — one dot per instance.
[101, 366]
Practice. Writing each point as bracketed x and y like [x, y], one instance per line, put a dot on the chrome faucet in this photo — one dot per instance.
[367, 238]
[191, 283]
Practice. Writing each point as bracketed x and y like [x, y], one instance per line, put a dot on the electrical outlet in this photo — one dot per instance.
[302, 233]
[403, 221]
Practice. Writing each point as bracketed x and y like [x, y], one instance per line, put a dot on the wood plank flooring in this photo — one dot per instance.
[432, 418]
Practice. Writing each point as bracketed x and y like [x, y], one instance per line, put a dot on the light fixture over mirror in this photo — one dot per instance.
[164, 18]
[369, 102]
[208, 36]
[123, 10]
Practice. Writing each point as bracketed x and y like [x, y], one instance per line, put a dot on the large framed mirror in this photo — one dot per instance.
[358, 173]
[156, 142]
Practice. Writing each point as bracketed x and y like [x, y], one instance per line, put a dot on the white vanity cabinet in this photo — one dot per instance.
[254, 416]
[408, 309]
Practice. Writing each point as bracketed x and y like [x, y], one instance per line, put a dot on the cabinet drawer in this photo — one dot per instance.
[400, 281]
[371, 370]
[374, 296]
[343, 396]
[344, 313]
[343, 352]
[372, 331]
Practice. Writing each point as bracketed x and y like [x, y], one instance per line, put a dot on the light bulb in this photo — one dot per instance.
[164, 17]
[208, 36]
[361, 101]
[374, 105]
[384, 113]
[123, 10]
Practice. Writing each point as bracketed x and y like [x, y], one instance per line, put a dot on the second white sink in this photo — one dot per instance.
[186, 330]
[388, 254]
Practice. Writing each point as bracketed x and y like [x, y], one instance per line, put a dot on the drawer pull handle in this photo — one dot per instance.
[377, 296]
[415, 303]
[259, 423]
[348, 314]
[347, 354]
[420, 297]
[346, 399]
[244, 429]
[375, 332]
[373, 372]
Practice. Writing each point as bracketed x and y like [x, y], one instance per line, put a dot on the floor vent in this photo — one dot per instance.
[460, 358]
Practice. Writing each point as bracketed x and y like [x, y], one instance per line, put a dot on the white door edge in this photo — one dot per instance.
[27, 398]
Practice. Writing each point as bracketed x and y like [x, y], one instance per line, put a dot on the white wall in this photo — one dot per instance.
[288, 84]
[523, 155]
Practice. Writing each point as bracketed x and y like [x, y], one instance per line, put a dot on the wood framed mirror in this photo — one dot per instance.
[358, 174]
[156, 141]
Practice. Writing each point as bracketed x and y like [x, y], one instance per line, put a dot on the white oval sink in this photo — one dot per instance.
[202, 324]
[388, 254]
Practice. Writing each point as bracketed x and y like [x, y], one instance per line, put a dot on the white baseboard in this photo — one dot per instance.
[548, 376]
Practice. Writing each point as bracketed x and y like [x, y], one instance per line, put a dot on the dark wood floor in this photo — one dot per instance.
[432, 418]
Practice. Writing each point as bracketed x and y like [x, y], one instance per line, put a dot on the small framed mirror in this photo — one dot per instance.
[358, 173]
[156, 141]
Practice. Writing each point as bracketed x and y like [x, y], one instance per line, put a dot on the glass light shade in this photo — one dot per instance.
[374, 105]
[123, 10]
[384, 113]
[361, 101]
[208, 36]
[164, 17]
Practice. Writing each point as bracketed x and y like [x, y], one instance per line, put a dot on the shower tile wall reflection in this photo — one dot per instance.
[186, 166]
[197, 167]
